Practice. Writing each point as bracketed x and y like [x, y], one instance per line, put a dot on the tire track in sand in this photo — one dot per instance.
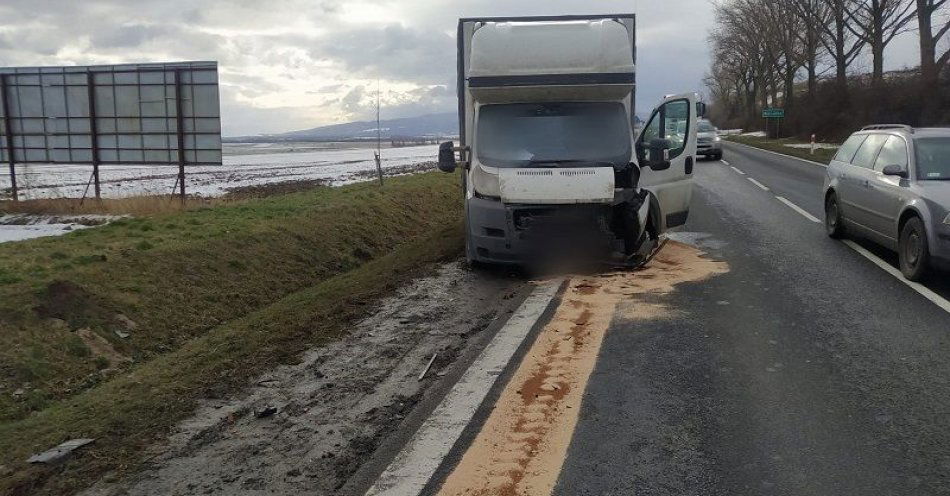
[521, 447]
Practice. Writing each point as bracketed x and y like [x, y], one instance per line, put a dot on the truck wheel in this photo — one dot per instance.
[833, 225]
[912, 250]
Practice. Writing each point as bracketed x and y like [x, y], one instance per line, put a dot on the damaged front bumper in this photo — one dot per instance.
[502, 233]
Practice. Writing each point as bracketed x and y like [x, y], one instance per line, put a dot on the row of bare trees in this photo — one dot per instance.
[762, 50]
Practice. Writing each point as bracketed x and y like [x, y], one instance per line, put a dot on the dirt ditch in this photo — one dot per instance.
[305, 429]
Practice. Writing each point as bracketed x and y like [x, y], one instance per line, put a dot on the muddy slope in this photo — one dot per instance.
[305, 429]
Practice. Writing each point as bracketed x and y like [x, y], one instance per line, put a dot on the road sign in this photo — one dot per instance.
[773, 113]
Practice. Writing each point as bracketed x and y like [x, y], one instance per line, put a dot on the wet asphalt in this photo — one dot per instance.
[804, 370]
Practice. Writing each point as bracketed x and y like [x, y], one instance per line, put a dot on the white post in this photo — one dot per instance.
[813, 146]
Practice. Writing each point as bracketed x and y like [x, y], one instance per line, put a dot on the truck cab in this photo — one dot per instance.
[547, 149]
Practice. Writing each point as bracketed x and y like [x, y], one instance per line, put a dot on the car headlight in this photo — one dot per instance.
[717, 139]
[946, 220]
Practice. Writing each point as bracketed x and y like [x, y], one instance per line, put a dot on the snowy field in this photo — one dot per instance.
[244, 165]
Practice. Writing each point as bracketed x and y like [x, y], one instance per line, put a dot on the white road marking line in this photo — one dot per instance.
[920, 288]
[764, 187]
[798, 209]
[812, 162]
[724, 162]
[737, 170]
[412, 468]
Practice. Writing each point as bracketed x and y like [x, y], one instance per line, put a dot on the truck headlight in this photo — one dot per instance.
[486, 183]
[946, 220]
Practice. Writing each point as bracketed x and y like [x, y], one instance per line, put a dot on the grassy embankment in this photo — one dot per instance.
[217, 296]
[822, 155]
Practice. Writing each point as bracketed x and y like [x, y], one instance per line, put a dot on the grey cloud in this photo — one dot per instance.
[393, 51]
[127, 36]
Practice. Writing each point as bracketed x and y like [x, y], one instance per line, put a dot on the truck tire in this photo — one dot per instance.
[631, 229]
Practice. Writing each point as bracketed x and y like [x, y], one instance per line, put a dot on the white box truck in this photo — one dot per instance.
[550, 163]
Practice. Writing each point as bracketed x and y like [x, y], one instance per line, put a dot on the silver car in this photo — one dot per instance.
[891, 184]
[708, 142]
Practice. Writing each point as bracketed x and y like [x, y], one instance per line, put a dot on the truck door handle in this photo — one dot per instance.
[689, 165]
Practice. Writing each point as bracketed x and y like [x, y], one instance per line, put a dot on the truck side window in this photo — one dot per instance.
[671, 121]
[676, 114]
[652, 130]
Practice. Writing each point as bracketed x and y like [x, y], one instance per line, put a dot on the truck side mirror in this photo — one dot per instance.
[700, 110]
[659, 154]
[447, 157]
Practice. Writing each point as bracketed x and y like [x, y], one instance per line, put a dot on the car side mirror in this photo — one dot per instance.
[658, 157]
[447, 157]
[894, 170]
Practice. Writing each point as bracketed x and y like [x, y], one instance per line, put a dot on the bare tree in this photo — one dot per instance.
[930, 36]
[816, 17]
[877, 23]
[782, 27]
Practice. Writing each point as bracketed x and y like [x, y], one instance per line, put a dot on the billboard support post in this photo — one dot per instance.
[5, 106]
[180, 131]
[93, 133]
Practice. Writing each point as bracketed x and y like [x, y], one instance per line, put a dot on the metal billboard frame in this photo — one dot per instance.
[181, 126]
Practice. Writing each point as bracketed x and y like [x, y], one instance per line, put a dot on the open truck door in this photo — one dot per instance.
[666, 153]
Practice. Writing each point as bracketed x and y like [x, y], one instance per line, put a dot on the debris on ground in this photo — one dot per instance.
[101, 347]
[126, 323]
[59, 452]
[265, 412]
[428, 366]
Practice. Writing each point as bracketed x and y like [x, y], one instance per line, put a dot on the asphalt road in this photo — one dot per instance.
[804, 370]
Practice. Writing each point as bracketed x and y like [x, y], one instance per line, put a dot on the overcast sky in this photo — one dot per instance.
[294, 64]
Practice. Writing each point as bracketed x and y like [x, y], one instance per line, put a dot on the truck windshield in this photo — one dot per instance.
[551, 134]
[933, 158]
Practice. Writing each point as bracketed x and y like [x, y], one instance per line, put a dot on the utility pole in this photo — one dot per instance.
[379, 166]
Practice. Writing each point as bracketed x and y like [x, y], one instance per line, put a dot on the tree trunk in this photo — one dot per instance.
[928, 52]
[877, 47]
[812, 78]
[841, 59]
[789, 86]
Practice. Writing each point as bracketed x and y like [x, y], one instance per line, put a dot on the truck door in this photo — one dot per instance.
[675, 120]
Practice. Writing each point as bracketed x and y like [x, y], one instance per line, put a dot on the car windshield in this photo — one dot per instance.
[933, 158]
[705, 127]
[551, 134]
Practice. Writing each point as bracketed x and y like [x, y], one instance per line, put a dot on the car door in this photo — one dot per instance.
[675, 119]
[885, 193]
[854, 192]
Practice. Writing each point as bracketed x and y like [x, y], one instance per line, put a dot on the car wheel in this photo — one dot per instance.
[912, 250]
[833, 225]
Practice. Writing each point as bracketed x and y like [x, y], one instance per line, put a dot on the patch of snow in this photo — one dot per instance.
[18, 233]
[338, 166]
[17, 227]
[754, 134]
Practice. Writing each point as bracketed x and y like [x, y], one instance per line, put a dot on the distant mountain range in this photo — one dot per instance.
[423, 126]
